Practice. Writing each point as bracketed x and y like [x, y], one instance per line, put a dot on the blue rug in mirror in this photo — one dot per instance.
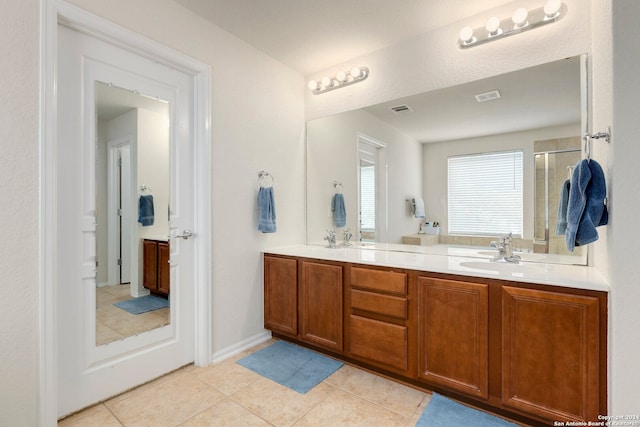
[142, 304]
[443, 412]
[291, 365]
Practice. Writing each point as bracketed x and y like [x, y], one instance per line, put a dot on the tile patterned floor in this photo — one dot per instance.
[113, 323]
[227, 394]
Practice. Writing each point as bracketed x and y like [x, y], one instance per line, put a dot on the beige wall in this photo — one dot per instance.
[19, 213]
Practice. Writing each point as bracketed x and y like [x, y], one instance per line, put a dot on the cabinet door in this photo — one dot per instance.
[149, 265]
[164, 286]
[321, 305]
[550, 353]
[453, 321]
[280, 295]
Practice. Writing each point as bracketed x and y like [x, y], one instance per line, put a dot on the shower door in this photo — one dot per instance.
[552, 169]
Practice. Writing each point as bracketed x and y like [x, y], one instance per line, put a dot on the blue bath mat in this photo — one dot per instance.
[443, 412]
[291, 365]
[142, 304]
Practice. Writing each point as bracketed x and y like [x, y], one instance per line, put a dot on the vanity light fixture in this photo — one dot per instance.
[521, 20]
[341, 79]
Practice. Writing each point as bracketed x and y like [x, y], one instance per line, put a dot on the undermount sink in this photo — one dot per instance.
[502, 267]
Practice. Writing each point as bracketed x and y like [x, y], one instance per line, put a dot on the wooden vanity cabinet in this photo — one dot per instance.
[155, 266]
[303, 300]
[378, 317]
[551, 354]
[536, 352]
[281, 295]
[453, 335]
[320, 304]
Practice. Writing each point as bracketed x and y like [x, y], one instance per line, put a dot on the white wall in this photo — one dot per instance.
[19, 182]
[435, 175]
[153, 171]
[624, 233]
[332, 155]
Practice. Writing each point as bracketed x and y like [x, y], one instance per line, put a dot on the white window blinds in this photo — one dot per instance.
[485, 194]
[368, 198]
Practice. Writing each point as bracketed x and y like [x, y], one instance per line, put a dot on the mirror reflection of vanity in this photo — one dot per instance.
[539, 112]
[132, 199]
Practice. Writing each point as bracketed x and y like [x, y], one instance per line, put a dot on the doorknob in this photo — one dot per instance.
[186, 234]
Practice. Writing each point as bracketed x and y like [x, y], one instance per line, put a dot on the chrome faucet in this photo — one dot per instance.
[346, 236]
[331, 238]
[505, 250]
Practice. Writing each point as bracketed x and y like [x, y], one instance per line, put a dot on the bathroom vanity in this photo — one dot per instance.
[155, 266]
[528, 341]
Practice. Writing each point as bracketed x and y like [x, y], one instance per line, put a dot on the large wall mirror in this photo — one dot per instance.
[132, 212]
[389, 157]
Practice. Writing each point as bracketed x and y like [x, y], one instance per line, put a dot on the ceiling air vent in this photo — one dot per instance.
[400, 109]
[488, 96]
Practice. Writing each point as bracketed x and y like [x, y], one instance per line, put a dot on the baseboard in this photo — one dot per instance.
[243, 345]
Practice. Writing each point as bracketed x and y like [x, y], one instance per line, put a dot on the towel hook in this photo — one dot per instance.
[587, 137]
[337, 186]
[145, 188]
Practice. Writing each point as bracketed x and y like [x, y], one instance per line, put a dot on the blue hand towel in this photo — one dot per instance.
[339, 210]
[145, 210]
[563, 203]
[267, 206]
[586, 209]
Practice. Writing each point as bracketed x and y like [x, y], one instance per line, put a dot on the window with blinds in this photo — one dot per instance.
[368, 198]
[485, 193]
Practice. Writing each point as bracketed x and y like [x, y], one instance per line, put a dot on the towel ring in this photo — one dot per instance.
[262, 176]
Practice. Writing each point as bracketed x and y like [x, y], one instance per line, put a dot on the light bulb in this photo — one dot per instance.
[493, 26]
[552, 7]
[356, 72]
[341, 76]
[326, 82]
[313, 85]
[519, 17]
[466, 34]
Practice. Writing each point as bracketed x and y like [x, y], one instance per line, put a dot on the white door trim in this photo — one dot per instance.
[51, 13]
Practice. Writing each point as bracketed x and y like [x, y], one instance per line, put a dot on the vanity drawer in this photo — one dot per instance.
[380, 281]
[379, 342]
[385, 305]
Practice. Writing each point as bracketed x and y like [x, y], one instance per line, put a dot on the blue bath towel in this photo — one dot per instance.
[145, 210]
[267, 206]
[586, 209]
[563, 203]
[339, 210]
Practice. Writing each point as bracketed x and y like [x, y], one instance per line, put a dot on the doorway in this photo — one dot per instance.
[372, 189]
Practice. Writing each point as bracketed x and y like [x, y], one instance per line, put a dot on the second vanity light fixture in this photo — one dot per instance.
[341, 79]
[521, 20]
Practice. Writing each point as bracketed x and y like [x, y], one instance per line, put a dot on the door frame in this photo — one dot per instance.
[114, 216]
[53, 12]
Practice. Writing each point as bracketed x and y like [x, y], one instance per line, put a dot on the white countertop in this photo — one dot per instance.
[571, 276]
